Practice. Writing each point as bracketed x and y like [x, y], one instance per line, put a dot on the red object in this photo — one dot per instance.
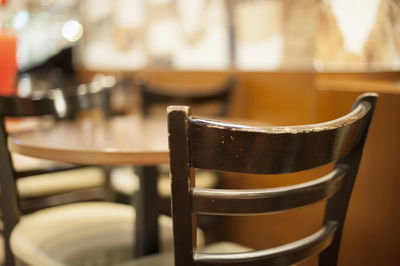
[3, 2]
[8, 61]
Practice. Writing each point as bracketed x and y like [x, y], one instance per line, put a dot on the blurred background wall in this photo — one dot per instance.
[251, 35]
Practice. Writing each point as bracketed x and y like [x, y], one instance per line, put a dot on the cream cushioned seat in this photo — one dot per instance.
[125, 181]
[92, 233]
[56, 182]
[26, 163]
[63, 181]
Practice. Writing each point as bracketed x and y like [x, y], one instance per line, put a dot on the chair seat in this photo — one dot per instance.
[59, 182]
[125, 181]
[167, 258]
[97, 232]
[26, 163]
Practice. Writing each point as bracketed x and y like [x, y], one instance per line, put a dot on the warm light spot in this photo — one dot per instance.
[72, 30]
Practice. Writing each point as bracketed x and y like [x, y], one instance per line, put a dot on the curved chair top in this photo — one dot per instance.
[273, 150]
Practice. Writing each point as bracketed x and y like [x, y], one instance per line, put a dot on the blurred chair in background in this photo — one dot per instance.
[95, 233]
[210, 99]
[43, 183]
[213, 99]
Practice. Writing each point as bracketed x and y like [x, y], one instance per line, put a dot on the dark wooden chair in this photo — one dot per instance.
[170, 94]
[70, 234]
[155, 97]
[206, 144]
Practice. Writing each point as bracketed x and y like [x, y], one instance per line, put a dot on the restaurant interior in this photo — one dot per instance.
[292, 115]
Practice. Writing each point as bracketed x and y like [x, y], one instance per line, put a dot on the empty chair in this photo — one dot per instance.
[202, 143]
[207, 144]
[155, 97]
[98, 233]
[177, 94]
[39, 181]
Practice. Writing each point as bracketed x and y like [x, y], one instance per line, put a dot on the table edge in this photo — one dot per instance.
[89, 157]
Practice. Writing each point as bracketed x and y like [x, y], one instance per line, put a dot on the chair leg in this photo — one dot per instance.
[109, 192]
[164, 206]
[9, 256]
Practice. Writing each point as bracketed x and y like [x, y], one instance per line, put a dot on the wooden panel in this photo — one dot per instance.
[277, 98]
[371, 233]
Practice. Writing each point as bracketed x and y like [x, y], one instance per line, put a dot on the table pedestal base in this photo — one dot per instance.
[146, 204]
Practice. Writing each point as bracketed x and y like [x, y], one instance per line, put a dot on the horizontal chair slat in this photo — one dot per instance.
[273, 150]
[259, 201]
[287, 254]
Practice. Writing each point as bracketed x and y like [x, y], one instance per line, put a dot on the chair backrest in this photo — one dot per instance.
[202, 143]
[73, 100]
[156, 94]
[59, 106]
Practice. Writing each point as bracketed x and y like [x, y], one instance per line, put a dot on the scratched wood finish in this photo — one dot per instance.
[189, 138]
[273, 150]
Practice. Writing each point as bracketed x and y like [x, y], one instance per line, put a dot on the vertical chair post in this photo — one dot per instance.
[182, 183]
[336, 207]
[8, 197]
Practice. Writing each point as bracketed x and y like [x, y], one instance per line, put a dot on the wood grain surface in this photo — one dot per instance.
[117, 141]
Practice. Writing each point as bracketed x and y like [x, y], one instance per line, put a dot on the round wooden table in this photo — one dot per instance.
[121, 140]
[125, 140]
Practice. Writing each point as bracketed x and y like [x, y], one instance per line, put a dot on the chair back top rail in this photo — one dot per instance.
[284, 255]
[19, 107]
[59, 104]
[273, 150]
[159, 90]
[186, 98]
[261, 201]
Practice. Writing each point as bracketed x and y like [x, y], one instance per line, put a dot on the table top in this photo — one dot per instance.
[131, 140]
